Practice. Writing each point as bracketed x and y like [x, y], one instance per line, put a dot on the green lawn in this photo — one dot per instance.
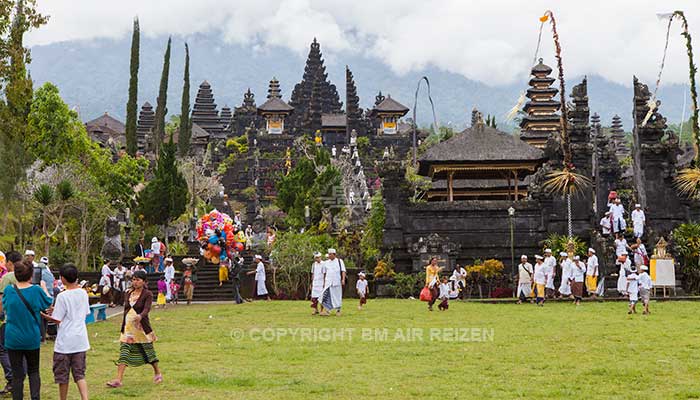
[559, 351]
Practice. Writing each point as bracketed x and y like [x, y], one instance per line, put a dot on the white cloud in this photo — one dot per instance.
[492, 42]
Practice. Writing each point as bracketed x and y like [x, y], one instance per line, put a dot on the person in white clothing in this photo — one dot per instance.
[625, 266]
[361, 288]
[316, 281]
[156, 253]
[620, 244]
[333, 282]
[550, 264]
[525, 272]
[640, 253]
[565, 285]
[592, 273]
[578, 272]
[72, 343]
[606, 223]
[645, 287]
[638, 221]
[169, 274]
[459, 276]
[618, 215]
[540, 279]
[444, 295]
[260, 288]
[633, 290]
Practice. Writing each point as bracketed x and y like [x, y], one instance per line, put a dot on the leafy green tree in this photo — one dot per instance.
[290, 261]
[161, 104]
[131, 105]
[374, 230]
[56, 134]
[185, 123]
[310, 183]
[164, 198]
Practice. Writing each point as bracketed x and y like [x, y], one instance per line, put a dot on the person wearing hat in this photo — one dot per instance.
[578, 273]
[632, 290]
[639, 251]
[333, 282]
[361, 288]
[316, 281]
[625, 265]
[157, 251]
[550, 264]
[592, 273]
[260, 277]
[137, 336]
[618, 215]
[43, 273]
[169, 274]
[525, 272]
[189, 278]
[606, 224]
[644, 287]
[565, 285]
[540, 279]
[459, 277]
[638, 220]
[29, 257]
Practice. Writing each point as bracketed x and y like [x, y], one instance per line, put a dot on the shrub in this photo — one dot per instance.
[685, 240]
[558, 243]
[407, 285]
[384, 268]
[178, 249]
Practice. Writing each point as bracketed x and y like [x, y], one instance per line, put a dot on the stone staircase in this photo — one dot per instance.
[208, 289]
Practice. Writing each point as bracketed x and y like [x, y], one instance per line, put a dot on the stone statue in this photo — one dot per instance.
[112, 247]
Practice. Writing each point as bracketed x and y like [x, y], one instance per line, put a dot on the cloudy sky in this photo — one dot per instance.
[489, 41]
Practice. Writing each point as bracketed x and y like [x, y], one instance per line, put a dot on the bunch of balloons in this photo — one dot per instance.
[217, 234]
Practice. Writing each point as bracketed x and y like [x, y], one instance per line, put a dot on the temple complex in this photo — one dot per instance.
[205, 114]
[107, 131]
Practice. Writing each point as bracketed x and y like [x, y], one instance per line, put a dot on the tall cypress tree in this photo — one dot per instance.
[131, 106]
[185, 124]
[161, 106]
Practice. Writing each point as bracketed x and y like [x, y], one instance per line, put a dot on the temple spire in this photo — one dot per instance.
[542, 120]
[273, 91]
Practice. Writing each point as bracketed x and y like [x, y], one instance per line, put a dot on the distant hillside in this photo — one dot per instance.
[93, 76]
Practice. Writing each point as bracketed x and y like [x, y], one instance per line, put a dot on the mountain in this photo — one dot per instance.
[93, 76]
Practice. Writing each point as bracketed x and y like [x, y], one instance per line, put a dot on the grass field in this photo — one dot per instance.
[558, 351]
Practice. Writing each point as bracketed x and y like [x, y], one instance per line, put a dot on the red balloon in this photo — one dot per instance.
[216, 250]
[238, 246]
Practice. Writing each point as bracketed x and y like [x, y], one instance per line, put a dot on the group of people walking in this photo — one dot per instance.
[538, 280]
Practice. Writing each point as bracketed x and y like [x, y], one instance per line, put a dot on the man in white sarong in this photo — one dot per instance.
[565, 286]
[551, 271]
[525, 272]
[169, 275]
[316, 281]
[606, 223]
[260, 288]
[333, 282]
[618, 215]
[638, 220]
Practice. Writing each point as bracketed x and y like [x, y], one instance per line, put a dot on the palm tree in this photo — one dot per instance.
[44, 196]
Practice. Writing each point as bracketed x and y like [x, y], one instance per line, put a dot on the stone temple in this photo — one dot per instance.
[475, 177]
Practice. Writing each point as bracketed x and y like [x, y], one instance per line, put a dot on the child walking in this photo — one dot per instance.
[444, 295]
[361, 289]
[645, 288]
[162, 290]
[72, 344]
[633, 290]
[174, 288]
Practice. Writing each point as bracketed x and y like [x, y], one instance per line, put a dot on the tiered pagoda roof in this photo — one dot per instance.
[225, 118]
[145, 125]
[274, 103]
[618, 139]
[388, 106]
[204, 112]
[542, 119]
[315, 94]
[106, 127]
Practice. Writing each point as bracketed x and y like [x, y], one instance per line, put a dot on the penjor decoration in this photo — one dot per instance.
[565, 182]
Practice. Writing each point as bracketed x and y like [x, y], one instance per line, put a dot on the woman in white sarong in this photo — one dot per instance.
[565, 286]
[625, 267]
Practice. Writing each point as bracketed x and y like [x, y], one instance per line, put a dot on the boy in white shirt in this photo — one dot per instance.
[72, 344]
[361, 287]
[645, 288]
[444, 295]
[633, 290]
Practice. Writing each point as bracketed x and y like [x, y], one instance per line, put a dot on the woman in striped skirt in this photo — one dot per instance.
[137, 337]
